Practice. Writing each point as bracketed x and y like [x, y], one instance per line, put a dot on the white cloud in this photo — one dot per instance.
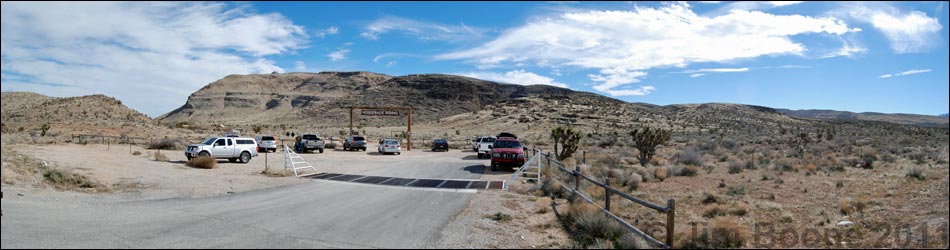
[158, 54]
[784, 3]
[696, 75]
[332, 30]
[909, 72]
[338, 55]
[718, 70]
[907, 32]
[519, 77]
[300, 66]
[620, 43]
[421, 30]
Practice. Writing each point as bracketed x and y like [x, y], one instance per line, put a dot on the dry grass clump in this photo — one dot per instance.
[66, 180]
[588, 225]
[853, 206]
[916, 173]
[542, 205]
[661, 173]
[721, 234]
[204, 162]
[281, 173]
[715, 210]
[160, 157]
[136, 153]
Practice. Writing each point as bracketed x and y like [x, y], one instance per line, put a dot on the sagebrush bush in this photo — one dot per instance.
[686, 171]
[204, 162]
[167, 144]
[591, 224]
[916, 173]
[689, 156]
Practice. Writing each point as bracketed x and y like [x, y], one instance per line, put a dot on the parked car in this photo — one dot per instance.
[266, 143]
[507, 152]
[355, 142]
[309, 143]
[475, 143]
[482, 146]
[389, 146]
[231, 148]
[507, 134]
[440, 145]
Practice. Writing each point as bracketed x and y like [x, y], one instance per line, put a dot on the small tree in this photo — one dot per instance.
[567, 139]
[257, 128]
[646, 141]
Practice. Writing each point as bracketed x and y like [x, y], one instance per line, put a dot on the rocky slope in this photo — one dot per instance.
[909, 119]
[94, 114]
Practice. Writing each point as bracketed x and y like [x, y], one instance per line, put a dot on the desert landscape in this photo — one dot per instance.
[756, 171]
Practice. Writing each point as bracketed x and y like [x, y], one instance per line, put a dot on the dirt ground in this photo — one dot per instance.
[142, 178]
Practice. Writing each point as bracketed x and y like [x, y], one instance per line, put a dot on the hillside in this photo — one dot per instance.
[93, 114]
[319, 99]
[908, 119]
[945, 115]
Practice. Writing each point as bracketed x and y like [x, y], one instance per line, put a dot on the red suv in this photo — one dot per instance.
[507, 152]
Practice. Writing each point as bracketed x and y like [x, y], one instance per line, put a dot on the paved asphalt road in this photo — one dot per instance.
[321, 214]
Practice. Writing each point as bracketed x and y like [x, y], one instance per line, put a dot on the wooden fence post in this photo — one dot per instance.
[670, 222]
[607, 193]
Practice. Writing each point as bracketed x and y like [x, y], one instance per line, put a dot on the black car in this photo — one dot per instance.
[507, 134]
[440, 145]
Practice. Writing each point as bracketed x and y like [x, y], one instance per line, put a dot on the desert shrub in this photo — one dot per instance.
[281, 173]
[852, 206]
[204, 162]
[736, 167]
[916, 173]
[687, 171]
[661, 173]
[542, 205]
[646, 141]
[160, 157]
[919, 157]
[785, 165]
[709, 198]
[167, 144]
[64, 179]
[722, 234]
[136, 153]
[500, 217]
[736, 191]
[552, 188]
[633, 182]
[689, 156]
[631, 241]
[730, 145]
[590, 225]
[740, 210]
[715, 210]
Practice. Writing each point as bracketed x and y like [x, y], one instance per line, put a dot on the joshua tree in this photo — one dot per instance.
[568, 139]
[646, 141]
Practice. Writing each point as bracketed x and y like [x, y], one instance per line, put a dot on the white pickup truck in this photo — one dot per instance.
[231, 148]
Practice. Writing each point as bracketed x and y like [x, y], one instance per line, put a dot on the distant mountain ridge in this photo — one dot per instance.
[907, 119]
[945, 115]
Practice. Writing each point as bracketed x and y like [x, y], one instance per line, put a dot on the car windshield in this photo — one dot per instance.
[209, 141]
[391, 142]
[507, 144]
[359, 139]
[488, 140]
[268, 138]
[310, 137]
[440, 141]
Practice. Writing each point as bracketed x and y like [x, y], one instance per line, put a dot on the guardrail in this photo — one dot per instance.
[533, 163]
[669, 209]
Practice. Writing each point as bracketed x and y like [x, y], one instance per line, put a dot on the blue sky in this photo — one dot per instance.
[889, 57]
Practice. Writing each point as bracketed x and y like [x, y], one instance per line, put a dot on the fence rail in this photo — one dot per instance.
[669, 209]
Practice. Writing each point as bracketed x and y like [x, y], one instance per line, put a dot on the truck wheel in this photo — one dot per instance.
[189, 158]
[321, 150]
[245, 157]
[204, 154]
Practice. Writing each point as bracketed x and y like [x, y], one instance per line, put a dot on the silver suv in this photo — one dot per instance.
[266, 143]
[355, 142]
[231, 148]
